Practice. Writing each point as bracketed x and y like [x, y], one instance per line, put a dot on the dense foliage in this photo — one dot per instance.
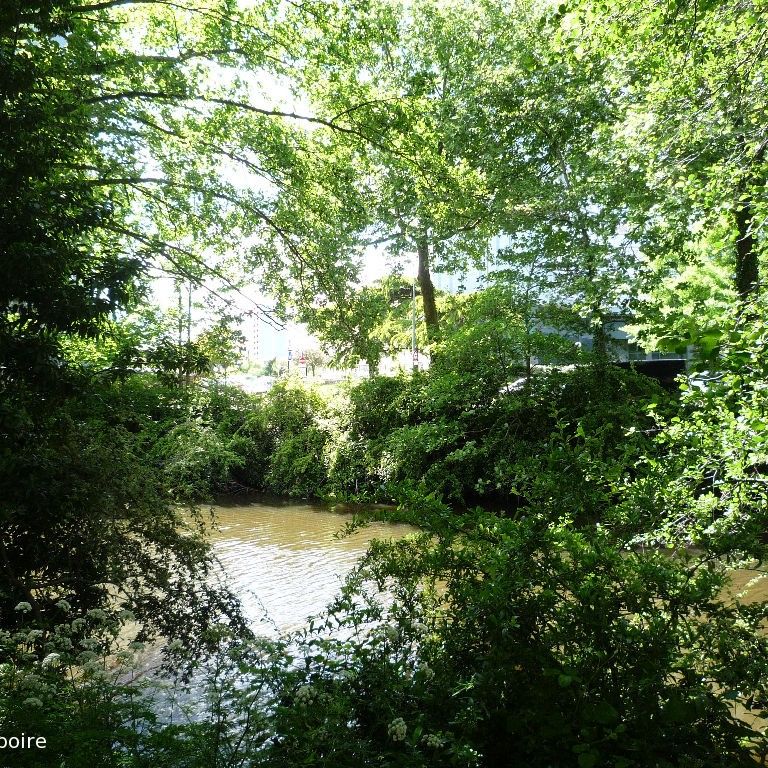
[558, 632]
[583, 615]
[83, 518]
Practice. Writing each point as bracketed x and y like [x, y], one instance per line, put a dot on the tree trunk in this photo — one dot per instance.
[747, 268]
[431, 316]
[600, 340]
[747, 277]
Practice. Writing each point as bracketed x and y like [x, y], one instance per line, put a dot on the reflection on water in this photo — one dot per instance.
[285, 563]
[284, 560]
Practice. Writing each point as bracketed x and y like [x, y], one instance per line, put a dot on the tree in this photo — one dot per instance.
[65, 268]
[221, 344]
[404, 76]
[686, 72]
[513, 138]
[496, 337]
[100, 102]
[315, 357]
[548, 116]
[270, 368]
[349, 327]
[156, 142]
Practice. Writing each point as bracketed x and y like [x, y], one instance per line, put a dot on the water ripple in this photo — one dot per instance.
[284, 560]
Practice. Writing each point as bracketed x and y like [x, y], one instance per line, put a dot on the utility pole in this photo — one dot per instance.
[180, 357]
[196, 213]
[256, 340]
[414, 351]
[181, 313]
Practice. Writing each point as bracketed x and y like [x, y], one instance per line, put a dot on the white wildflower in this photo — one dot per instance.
[741, 624]
[64, 606]
[51, 660]
[432, 740]
[305, 695]
[397, 729]
[33, 701]
[24, 607]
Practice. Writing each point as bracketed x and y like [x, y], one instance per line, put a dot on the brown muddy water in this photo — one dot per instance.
[286, 562]
[284, 559]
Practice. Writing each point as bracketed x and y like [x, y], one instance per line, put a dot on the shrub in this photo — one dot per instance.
[298, 467]
[195, 460]
[508, 447]
[380, 405]
[254, 443]
[506, 642]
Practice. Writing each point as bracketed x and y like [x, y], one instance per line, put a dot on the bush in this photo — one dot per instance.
[254, 442]
[298, 467]
[290, 409]
[505, 447]
[380, 405]
[83, 511]
[519, 642]
[195, 459]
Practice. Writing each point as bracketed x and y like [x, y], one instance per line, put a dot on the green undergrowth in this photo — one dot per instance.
[382, 439]
[563, 602]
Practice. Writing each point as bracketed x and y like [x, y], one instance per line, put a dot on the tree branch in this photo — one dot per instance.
[177, 98]
[164, 247]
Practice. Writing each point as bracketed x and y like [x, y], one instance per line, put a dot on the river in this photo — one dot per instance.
[284, 559]
[285, 562]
